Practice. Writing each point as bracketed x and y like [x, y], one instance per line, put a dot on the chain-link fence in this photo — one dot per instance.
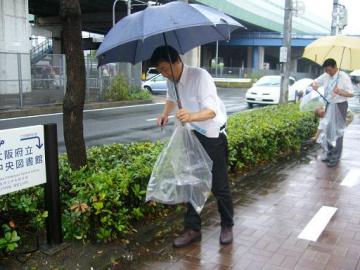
[26, 80]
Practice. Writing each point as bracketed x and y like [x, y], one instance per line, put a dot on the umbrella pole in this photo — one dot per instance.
[172, 74]
[337, 77]
[324, 98]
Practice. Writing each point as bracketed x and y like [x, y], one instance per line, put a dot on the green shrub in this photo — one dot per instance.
[8, 240]
[261, 135]
[105, 199]
[245, 85]
[120, 90]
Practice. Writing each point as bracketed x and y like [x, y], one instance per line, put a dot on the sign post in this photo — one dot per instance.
[52, 190]
[29, 157]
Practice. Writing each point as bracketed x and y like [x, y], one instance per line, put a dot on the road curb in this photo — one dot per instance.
[57, 108]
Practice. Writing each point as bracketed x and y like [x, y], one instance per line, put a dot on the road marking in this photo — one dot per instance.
[352, 178]
[154, 119]
[317, 224]
[93, 110]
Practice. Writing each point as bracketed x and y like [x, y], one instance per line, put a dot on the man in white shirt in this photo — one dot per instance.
[337, 89]
[206, 115]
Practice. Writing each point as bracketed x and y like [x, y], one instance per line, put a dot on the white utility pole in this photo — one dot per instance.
[285, 52]
[129, 65]
[334, 21]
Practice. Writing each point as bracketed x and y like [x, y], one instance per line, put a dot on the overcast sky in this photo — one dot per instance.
[323, 9]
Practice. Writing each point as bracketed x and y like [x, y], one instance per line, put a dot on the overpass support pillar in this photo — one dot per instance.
[258, 55]
[15, 70]
[249, 60]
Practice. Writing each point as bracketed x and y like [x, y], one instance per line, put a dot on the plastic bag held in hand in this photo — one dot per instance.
[311, 101]
[182, 172]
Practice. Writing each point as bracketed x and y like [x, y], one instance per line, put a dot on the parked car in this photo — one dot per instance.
[267, 91]
[156, 84]
[151, 72]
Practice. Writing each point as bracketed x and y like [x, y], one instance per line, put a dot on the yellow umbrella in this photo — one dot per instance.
[344, 49]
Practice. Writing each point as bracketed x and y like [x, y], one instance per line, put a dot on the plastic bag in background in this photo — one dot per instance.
[311, 101]
[182, 172]
[333, 126]
[349, 117]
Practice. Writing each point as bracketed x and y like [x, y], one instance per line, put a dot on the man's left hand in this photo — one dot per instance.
[337, 91]
[183, 115]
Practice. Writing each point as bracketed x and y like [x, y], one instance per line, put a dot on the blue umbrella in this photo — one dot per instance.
[180, 25]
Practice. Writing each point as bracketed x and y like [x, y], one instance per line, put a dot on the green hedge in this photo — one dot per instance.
[234, 84]
[104, 200]
[261, 135]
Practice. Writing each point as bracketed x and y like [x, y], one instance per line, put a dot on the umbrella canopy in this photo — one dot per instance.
[355, 73]
[344, 49]
[185, 26]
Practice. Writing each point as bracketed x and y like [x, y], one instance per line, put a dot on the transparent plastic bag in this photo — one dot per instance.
[182, 172]
[333, 126]
[349, 117]
[311, 101]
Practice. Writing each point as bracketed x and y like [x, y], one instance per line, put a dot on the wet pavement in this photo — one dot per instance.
[272, 208]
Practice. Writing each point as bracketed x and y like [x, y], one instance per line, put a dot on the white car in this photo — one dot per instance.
[156, 84]
[267, 91]
[151, 73]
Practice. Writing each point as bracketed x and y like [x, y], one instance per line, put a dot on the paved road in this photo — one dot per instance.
[122, 124]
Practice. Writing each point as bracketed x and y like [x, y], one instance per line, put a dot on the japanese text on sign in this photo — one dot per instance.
[22, 158]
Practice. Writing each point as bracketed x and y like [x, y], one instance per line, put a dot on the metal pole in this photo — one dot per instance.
[129, 65]
[64, 73]
[334, 22]
[113, 10]
[52, 190]
[20, 81]
[285, 69]
[216, 58]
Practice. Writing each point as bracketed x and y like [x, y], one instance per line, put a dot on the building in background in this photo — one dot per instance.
[15, 46]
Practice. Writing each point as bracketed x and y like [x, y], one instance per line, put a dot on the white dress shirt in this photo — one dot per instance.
[197, 91]
[329, 82]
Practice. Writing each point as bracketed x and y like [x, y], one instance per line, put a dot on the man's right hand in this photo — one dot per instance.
[315, 85]
[162, 120]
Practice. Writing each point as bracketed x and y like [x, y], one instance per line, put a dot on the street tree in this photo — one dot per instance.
[73, 104]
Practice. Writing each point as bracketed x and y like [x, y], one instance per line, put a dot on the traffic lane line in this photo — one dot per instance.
[352, 178]
[154, 119]
[85, 111]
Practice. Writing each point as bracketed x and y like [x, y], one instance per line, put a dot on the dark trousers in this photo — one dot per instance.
[334, 153]
[217, 149]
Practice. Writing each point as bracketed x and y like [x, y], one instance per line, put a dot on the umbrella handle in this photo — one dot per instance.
[337, 81]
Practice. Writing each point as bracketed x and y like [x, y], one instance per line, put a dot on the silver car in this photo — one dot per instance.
[156, 84]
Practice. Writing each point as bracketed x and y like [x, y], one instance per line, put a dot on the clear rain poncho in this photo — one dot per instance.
[332, 125]
[182, 172]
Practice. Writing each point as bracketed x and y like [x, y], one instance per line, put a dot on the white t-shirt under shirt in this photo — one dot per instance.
[197, 91]
[329, 82]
